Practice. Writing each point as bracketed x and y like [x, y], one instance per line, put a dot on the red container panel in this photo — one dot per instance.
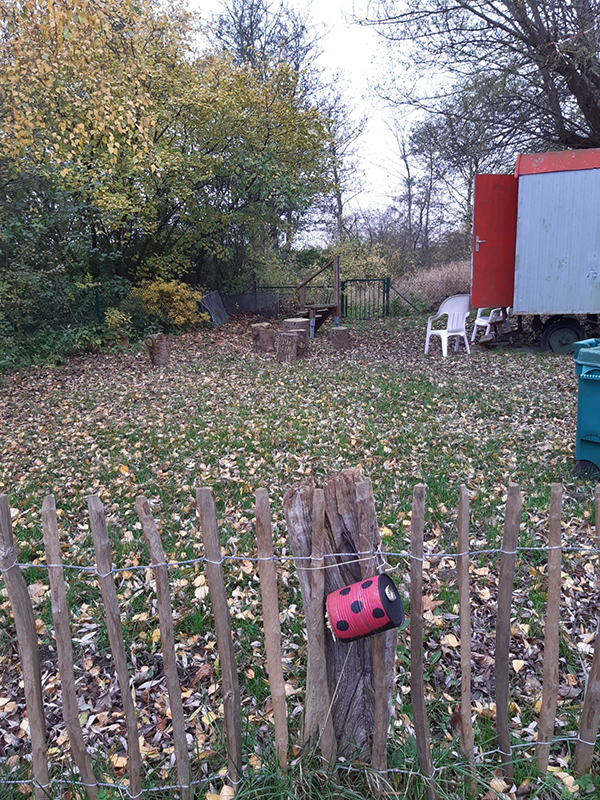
[494, 239]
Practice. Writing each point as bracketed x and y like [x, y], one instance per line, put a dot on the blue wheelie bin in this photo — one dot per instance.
[587, 445]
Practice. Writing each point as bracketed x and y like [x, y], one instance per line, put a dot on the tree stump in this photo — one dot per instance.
[266, 340]
[302, 342]
[350, 672]
[157, 349]
[294, 324]
[287, 348]
[256, 331]
[340, 338]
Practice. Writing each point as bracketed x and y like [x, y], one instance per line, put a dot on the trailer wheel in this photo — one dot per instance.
[560, 333]
[585, 469]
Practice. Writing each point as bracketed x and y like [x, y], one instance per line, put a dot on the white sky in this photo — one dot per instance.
[351, 51]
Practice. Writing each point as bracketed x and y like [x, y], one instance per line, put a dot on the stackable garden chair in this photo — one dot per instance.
[456, 309]
[488, 317]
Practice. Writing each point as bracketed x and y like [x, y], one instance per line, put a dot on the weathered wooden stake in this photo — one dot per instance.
[20, 602]
[551, 632]
[466, 724]
[317, 714]
[64, 647]
[512, 522]
[114, 629]
[590, 714]
[367, 532]
[167, 639]
[272, 627]
[417, 682]
[218, 599]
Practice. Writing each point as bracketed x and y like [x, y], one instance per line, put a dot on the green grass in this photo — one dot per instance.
[224, 417]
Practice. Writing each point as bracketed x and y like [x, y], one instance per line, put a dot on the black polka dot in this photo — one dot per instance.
[356, 607]
[366, 584]
[345, 591]
[378, 613]
[342, 625]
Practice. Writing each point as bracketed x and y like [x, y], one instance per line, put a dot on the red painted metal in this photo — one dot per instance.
[562, 161]
[369, 606]
[494, 239]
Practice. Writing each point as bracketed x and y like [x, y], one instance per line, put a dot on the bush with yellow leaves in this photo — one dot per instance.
[174, 303]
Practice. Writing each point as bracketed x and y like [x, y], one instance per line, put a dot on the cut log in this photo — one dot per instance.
[266, 340]
[349, 668]
[340, 338]
[287, 345]
[157, 349]
[255, 330]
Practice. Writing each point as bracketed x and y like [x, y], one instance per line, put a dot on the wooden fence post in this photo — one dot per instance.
[466, 724]
[417, 682]
[272, 627]
[167, 640]
[114, 629]
[218, 599]
[64, 647]
[20, 602]
[590, 713]
[551, 632]
[512, 522]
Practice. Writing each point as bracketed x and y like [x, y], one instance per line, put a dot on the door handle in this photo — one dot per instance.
[478, 241]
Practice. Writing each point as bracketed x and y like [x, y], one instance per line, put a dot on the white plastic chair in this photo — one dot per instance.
[457, 309]
[486, 320]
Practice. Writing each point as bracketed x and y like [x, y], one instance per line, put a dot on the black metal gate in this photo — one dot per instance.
[365, 298]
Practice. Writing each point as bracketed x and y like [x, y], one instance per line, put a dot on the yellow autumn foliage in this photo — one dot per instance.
[175, 303]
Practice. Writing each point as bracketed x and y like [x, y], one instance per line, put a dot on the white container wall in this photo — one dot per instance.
[557, 258]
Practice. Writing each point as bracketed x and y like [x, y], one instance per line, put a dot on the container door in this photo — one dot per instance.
[494, 237]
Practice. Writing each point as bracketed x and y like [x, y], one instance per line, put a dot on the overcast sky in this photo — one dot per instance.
[355, 53]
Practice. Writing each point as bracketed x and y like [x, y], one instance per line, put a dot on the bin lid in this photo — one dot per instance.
[587, 352]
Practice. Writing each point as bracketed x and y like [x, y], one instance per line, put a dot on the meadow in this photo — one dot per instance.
[221, 415]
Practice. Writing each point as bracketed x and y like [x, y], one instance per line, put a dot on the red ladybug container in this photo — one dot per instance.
[370, 606]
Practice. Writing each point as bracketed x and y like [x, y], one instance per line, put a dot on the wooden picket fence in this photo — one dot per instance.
[22, 609]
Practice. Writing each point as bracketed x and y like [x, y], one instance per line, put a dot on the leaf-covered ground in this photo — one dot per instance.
[224, 416]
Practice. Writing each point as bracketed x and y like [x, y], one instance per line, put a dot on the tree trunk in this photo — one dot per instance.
[287, 348]
[349, 666]
[266, 340]
[157, 349]
[301, 327]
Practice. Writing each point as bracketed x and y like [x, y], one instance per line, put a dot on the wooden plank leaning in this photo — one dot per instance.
[550, 678]
[167, 640]
[20, 603]
[367, 532]
[218, 599]
[512, 522]
[417, 683]
[64, 646]
[317, 716]
[272, 627]
[466, 724]
[114, 629]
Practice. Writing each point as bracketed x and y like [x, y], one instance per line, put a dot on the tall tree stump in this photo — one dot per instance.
[340, 338]
[256, 330]
[266, 340]
[156, 344]
[287, 345]
[350, 674]
[302, 342]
